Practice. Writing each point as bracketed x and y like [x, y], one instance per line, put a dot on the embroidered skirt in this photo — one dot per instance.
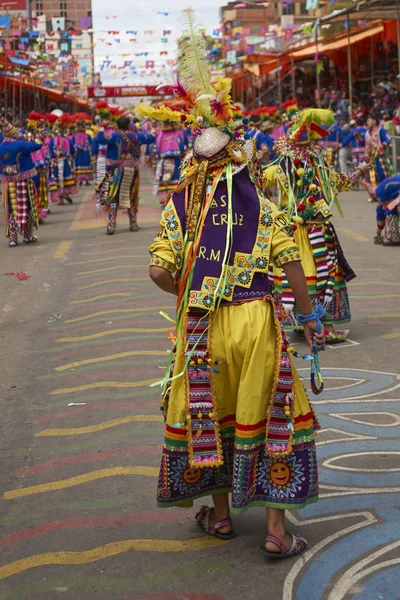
[326, 271]
[240, 406]
[20, 203]
[83, 166]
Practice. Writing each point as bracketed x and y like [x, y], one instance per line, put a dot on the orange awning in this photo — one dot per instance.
[51, 93]
[343, 42]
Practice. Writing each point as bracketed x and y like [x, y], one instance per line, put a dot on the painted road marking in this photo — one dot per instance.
[86, 458]
[95, 298]
[101, 426]
[111, 249]
[97, 522]
[95, 336]
[103, 384]
[112, 282]
[380, 283]
[94, 407]
[390, 336]
[91, 361]
[79, 225]
[117, 310]
[372, 297]
[62, 484]
[112, 549]
[384, 316]
[102, 260]
[352, 234]
[62, 249]
[114, 268]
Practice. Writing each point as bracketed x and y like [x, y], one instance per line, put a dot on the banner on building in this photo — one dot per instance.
[126, 91]
[13, 5]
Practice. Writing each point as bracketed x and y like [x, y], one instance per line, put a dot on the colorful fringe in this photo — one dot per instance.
[203, 428]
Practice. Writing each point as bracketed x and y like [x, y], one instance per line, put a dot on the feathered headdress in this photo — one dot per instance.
[311, 124]
[163, 114]
[208, 102]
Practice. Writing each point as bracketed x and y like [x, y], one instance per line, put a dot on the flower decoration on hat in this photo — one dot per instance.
[290, 107]
[36, 121]
[82, 120]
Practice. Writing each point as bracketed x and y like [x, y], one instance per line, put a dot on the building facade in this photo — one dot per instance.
[75, 13]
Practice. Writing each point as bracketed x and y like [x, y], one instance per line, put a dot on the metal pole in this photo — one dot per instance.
[372, 65]
[20, 103]
[293, 74]
[349, 67]
[317, 65]
[279, 79]
[5, 97]
[398, 33]
[13, 101]
[29, 14]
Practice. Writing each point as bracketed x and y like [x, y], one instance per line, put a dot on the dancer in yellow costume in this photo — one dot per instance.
[237, 417]
[308, 188]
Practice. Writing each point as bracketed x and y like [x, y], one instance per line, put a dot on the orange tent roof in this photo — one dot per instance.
[270, 62]
[51, 93]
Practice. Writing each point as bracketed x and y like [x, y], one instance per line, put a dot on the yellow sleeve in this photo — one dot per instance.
[283, 248]
[161, 252]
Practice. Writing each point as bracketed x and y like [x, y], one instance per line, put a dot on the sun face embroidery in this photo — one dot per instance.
[282, 477]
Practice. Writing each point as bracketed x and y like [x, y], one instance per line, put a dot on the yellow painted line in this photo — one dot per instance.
[390, 283]
[115, 311]
[94, 298]
[101, 260]
[95, 336]
[110, 249]
[390, 336]
[78, 214]
[101, 426]
[111, 549]
[62, 484]
[108, 282]
[352, 234]
[109, 244]
[115, 268]
[104, 384]
[80, 225]
[62, 249]
[375, 297]
[385, 316]
[99, 359]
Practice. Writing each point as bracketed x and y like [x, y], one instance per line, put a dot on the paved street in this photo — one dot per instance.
[82, 339]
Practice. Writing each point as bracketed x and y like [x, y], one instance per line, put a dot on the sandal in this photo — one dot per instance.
[299, 544]
[335, 337]
[203, 521]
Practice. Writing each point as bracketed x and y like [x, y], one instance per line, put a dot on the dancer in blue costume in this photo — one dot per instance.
[387, 213]
[19, 191]
[120, 186]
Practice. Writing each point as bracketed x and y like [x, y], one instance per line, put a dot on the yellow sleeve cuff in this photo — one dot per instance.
[287, 256]
[156, 261]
